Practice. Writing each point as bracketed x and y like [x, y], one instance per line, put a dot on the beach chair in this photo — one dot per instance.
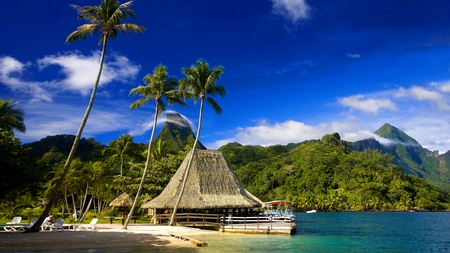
[58, 225]
[91, 226]
[19, 227]
[15, 220]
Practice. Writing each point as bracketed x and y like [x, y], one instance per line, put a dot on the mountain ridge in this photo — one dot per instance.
[409, 154]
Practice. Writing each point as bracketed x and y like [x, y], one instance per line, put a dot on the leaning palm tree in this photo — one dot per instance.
[11, 118]
[200, 82]
[159, 87]
[107, 19]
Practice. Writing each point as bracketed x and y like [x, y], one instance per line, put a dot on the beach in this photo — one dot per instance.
[107, 236]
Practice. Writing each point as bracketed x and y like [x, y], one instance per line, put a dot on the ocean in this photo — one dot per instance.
[347, 232]
[337, 232]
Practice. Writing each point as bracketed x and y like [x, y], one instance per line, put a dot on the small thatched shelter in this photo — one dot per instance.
[122, 200]
[211, 184]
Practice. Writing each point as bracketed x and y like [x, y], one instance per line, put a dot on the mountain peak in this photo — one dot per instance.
[177, 131]
[392, 133]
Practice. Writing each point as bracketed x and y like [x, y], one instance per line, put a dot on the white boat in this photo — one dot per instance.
[279, 210]
[311, 211]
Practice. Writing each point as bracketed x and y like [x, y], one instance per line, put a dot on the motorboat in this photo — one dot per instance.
[279, 210]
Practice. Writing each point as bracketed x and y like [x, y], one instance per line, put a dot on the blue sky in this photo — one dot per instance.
[295, 70]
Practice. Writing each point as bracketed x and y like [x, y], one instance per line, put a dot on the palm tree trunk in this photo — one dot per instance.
[75, 212]
[186, 173]
[87, 209]
[144, 174]
[48, 207]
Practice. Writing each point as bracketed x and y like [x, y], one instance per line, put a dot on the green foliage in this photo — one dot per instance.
[408, 154]
[326, 175]
[88, 149]
[18, 173]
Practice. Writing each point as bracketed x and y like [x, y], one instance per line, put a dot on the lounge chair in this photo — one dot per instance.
[92, 225]
[58, 224]
[15, 220]
[18, 227]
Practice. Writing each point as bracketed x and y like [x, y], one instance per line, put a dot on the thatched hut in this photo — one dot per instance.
[211, 185]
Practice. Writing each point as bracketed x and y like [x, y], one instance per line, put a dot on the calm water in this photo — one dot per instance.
[347, 232]
[339, 232]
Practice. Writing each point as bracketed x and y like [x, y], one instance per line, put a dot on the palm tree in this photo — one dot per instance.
[159, 87]
[121, 148]
[106, 18]
[200, 82]
[11, 118]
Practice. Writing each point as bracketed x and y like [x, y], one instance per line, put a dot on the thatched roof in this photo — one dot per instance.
[124, 199]
[211, 184]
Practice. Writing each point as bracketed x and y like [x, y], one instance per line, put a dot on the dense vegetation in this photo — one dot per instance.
[28, 181]
[318, 174]
[326, 175]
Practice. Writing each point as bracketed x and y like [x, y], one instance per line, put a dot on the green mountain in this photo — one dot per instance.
[327, 175]
[88, 149]
[178, 132]
[410, 155]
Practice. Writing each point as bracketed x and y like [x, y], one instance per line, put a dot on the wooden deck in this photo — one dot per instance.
[258, 225]
[232, 224]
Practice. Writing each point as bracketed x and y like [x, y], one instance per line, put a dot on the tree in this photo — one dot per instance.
[106, 18]
[159, 87]
[200, 82]
[11, 118]
[121, 148]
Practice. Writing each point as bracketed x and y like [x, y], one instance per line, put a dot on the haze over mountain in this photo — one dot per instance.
[409, 154]
[178, 132]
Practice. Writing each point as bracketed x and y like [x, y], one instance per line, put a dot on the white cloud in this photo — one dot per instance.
[79, 73]
[354, 56]
[47, 119]
[423, 94]
[11, 71]
[367, 105]
[291, 10]
[267, 134]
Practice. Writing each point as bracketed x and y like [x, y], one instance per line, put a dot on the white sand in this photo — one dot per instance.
[107, 236]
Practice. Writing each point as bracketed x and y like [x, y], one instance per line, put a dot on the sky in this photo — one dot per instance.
[294, 70]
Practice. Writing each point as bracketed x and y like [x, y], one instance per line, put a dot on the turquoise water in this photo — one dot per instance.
[336, 232]
[347, 232]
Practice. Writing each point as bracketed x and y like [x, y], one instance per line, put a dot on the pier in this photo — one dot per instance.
[233, 224]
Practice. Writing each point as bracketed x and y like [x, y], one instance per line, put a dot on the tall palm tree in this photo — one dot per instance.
[200, 82]
[159, 87]
[11, 118]
[107, 19]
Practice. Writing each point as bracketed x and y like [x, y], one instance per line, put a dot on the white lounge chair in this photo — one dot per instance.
[18, 227]
[15, 220]
[91, 226]
[58, 224]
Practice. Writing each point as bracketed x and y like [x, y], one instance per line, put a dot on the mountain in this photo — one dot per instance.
[409, 154]
[178, 132]
[88, 149]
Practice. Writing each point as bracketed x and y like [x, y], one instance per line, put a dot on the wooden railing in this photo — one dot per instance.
[255, 221]
[193, 219]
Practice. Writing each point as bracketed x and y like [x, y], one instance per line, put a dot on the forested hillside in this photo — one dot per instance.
[327, 175]
[410, 155]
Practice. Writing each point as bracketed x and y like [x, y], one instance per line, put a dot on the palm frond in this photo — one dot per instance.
[82, 33]
[215, 106]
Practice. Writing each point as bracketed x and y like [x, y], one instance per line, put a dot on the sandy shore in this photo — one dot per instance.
[107, 236]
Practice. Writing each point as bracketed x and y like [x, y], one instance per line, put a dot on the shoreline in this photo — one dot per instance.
[107, 236]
